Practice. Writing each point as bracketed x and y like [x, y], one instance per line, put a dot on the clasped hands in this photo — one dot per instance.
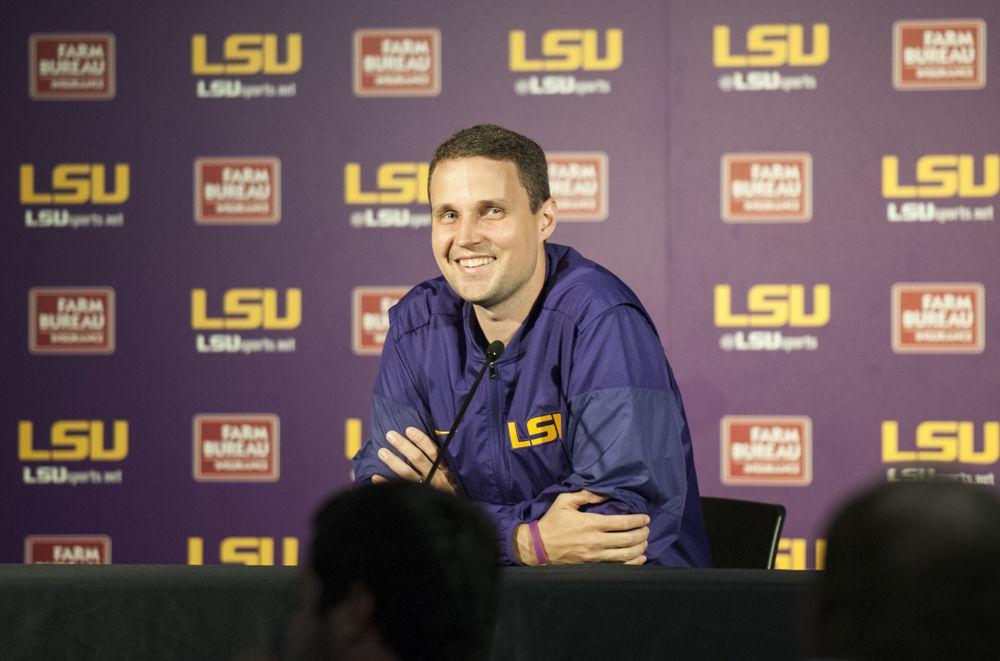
[568, 535]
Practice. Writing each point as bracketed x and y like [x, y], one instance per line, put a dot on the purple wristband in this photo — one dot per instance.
[536, 540]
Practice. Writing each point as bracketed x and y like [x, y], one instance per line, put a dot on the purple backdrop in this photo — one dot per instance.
[664, 114]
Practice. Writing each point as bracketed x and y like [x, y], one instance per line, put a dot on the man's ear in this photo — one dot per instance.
[547, 219]
[351, 618]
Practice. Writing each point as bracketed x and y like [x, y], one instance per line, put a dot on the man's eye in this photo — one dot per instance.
[495, 211]
[447, 217]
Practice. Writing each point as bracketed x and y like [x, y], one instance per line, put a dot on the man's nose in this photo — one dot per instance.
[468, 231]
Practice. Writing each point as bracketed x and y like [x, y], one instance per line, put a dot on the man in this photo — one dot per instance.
[576, 443]
[397, 571]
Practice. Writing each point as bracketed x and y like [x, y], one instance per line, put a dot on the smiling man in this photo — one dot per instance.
[576, 444]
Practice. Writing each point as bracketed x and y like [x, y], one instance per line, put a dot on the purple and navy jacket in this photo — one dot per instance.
[581, 398]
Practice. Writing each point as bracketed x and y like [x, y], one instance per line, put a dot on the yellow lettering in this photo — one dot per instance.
[28, 194]
[352, 436]
[25, 443]
[195, 551]
[248, 309]
[542, 429]
[990, 453]
[248, 54]
[73, 435]
[773, 306]
[942, 176]
[890, 180]
[516, 442]
[100, 194]
[890, 444]
[568, 50]
[199, 58]
[772, 45]
[791, 554]
[199, 316]
[290, 552]
[256, 551]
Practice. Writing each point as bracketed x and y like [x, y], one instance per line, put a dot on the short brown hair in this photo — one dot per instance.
[500, 144]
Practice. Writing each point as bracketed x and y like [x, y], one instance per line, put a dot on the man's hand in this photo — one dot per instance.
[571, 536]
[420, 451]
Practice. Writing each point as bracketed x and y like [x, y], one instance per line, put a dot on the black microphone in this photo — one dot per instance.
[492, 353]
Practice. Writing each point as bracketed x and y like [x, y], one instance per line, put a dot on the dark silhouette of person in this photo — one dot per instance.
[913, 572]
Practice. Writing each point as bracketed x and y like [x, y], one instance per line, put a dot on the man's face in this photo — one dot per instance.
[486, 240]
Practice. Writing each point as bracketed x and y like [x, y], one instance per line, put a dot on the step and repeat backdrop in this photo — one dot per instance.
[209, 209]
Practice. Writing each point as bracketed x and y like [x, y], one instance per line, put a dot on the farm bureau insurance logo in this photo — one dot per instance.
[770, 46]
[73, 185]
[774, 187]
[939, 54]
[370, 317]
[394, 194]
[48, 460]
[944, 179]
[67, 550]
[938, 317]
[760, 450]
[237, 190]
[397, 62]
[246, 309]
[772, 306]
[71, 66]
[246, 54]
[578, 180]
[71, 320]
[942, 443]
[558, 55]
[236, 447]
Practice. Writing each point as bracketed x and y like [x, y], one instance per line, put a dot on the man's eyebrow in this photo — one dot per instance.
[500, 202]
[441, 208]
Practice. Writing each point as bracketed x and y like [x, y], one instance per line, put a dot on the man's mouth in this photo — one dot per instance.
[474, 262]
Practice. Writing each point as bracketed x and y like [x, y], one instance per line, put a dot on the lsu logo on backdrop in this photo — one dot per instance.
[389, 194]
[938, 317]
[71, 320]
[774, 187]
[72, 441]
[793, 554]
[770, 307]
[760, 450]
[242, 190]
[397, 62]
[236, 447]
[71, 66]
[246, 54]
[246, 309]
[370, 317]
[256, 551]
[541, 429]
[941, 178]
[939, 54]
[559, 54]
[768, 46]
[942, 442]
[578, 180]
[67, 550]
[73, 185]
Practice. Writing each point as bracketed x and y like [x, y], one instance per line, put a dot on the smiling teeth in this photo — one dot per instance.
[479, 261]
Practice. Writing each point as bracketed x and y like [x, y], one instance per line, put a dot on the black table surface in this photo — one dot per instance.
[567, 612]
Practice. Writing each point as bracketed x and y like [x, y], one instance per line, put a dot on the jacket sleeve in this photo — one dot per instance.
[396, 405]
[626, 434]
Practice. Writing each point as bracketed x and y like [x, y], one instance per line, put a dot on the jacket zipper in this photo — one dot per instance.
[504, 463]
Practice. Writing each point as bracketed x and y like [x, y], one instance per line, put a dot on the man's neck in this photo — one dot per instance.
[501, 322]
